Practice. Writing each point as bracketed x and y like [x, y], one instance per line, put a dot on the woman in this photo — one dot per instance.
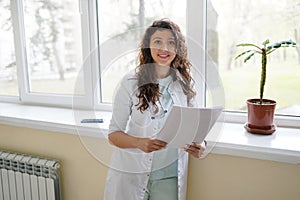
[142, 167]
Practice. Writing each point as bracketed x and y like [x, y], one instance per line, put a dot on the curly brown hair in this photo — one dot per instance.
[147, 81]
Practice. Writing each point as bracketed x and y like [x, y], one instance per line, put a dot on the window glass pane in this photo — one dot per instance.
[53, 41]
[121, 26]
[233, 22]
[8, 71]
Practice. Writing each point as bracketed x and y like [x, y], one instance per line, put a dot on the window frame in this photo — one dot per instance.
[196, 18]
[61, 100]
[241, 117]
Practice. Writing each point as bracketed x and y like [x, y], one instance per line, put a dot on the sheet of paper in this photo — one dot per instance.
[185, 125]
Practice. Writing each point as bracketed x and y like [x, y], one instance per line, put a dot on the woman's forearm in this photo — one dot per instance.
[123, 140]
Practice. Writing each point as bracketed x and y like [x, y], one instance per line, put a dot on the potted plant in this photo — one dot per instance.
[260, 110]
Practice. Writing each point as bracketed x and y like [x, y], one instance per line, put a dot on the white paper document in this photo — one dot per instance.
[185, 125]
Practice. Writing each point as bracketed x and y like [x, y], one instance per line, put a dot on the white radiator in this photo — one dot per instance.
[24, 177]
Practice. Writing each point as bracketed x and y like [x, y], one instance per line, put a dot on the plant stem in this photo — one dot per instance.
[263, 73]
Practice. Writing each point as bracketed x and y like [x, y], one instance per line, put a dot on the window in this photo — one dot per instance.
[73, 53]
[8, 71]
[53, 46]
[120, 35]
[42, 52]
[233, 22]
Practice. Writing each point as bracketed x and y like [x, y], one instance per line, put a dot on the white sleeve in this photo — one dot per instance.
[122, 104]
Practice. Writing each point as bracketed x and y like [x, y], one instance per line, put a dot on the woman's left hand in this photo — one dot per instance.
[195, 149]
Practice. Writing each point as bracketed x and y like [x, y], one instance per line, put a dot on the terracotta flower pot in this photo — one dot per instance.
[261, 116]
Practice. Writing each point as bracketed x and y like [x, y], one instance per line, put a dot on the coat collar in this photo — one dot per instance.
[178, 76]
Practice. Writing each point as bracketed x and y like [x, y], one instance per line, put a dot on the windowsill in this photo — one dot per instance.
[282, 146]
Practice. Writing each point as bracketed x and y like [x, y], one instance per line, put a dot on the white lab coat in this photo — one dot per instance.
[130, 169]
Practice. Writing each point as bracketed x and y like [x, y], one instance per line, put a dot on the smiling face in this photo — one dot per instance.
[163, 47]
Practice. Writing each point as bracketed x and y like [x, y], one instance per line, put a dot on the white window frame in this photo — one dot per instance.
[196, 31]
[27, 97]
[195, 42]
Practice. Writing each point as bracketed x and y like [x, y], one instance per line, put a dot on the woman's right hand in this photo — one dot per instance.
[148, 145]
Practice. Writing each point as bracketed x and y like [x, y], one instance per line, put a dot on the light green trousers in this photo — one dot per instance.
[164, 189]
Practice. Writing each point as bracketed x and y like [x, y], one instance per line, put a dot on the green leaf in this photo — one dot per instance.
[269, 48]
[267, 41]
[286, 43]
[289, 43]
[245, 44]
[243, 53]
[276, 45]
[248, 57]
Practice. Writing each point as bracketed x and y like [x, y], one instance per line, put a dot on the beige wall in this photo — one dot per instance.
[214, 178]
